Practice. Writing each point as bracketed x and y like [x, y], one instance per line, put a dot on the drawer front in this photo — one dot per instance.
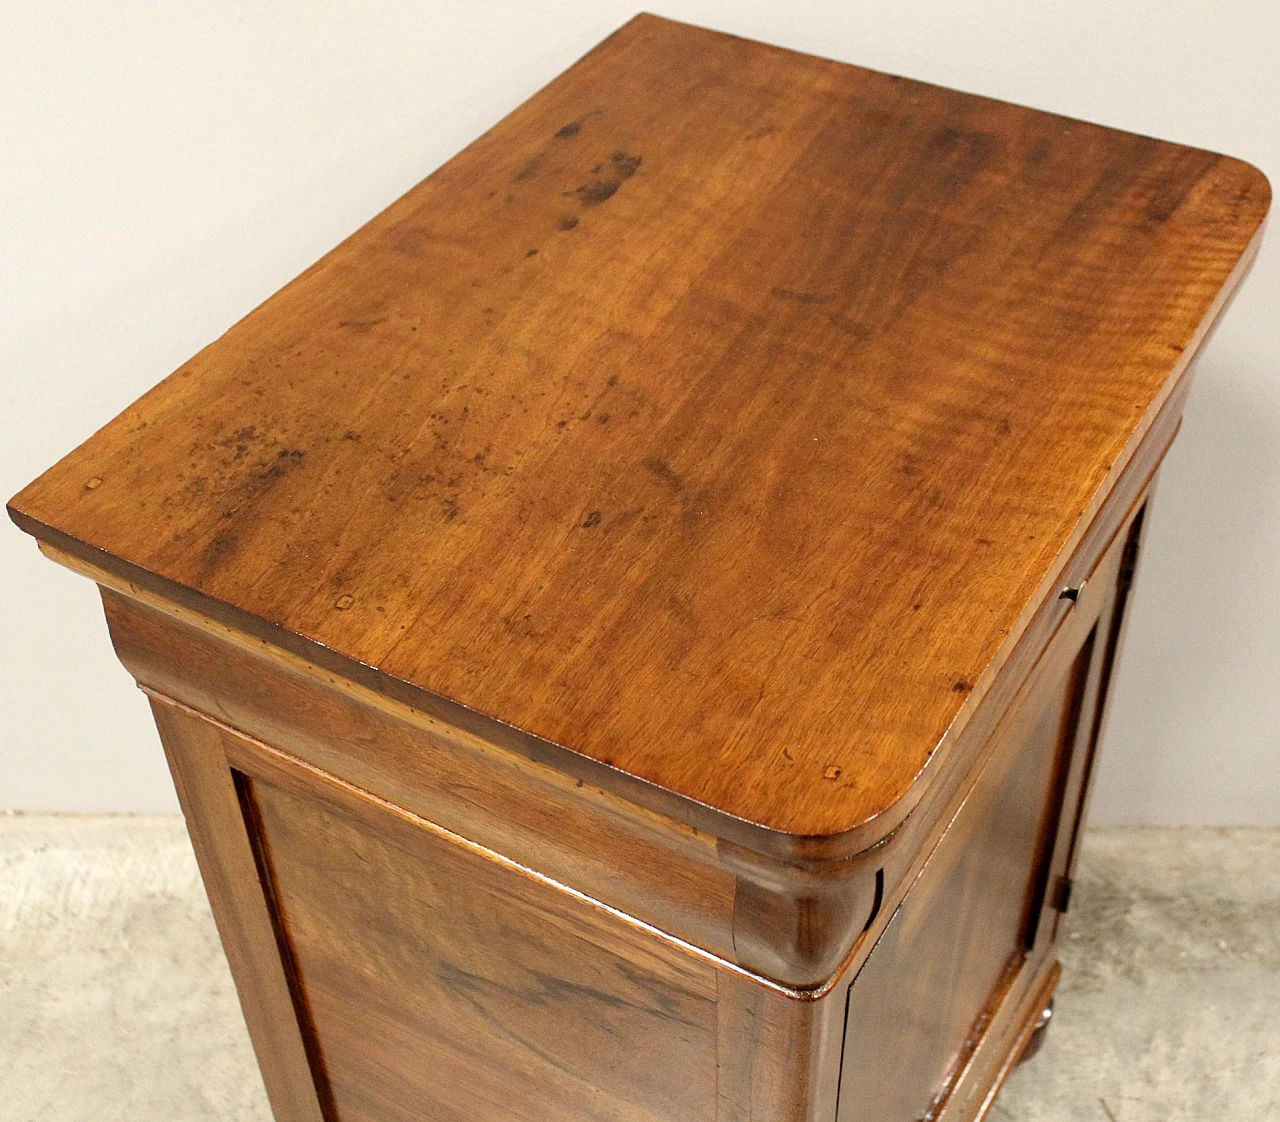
[980, 919]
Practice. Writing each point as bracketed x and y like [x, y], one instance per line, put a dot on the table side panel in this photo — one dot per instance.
[448, 987]
[659, 871]
[264, 978]
[956, 941]
[418, 973]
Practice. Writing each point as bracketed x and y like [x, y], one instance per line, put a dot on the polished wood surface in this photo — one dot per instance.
[966, 934]
[265, 978]
[799, 920]
[721, 417]
[431, 977]
[433, 980]
[450, 987]
[631, 628]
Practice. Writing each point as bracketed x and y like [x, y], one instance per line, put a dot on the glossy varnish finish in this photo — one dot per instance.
[422, 975]
[974, 933]
[447, 970]
[641, 423]
[796, 921]
[631, 627]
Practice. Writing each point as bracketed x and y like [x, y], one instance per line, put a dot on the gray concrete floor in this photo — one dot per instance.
[116, 1004]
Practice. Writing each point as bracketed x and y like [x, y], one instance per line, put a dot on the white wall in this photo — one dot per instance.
[166, 166]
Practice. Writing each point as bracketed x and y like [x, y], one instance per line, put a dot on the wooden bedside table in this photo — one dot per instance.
[631, 626]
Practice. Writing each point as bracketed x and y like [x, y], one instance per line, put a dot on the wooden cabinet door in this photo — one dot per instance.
[979, 922]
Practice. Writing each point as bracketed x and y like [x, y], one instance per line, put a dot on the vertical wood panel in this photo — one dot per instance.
[955, 958]
[449, 988]
[777, 1059]
[219, 836]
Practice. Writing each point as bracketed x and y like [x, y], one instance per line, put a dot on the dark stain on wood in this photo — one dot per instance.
[663, 471]
[598, 191]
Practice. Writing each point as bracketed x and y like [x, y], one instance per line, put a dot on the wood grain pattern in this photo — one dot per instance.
[436, 983]
[211, 806]
[635, 430]
[942, 1007]
[957, 943]
[655, 869]
[445, 986]
[777, 1060]
[795, 922]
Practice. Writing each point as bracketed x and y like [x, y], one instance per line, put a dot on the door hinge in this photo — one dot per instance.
[1129, 561]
